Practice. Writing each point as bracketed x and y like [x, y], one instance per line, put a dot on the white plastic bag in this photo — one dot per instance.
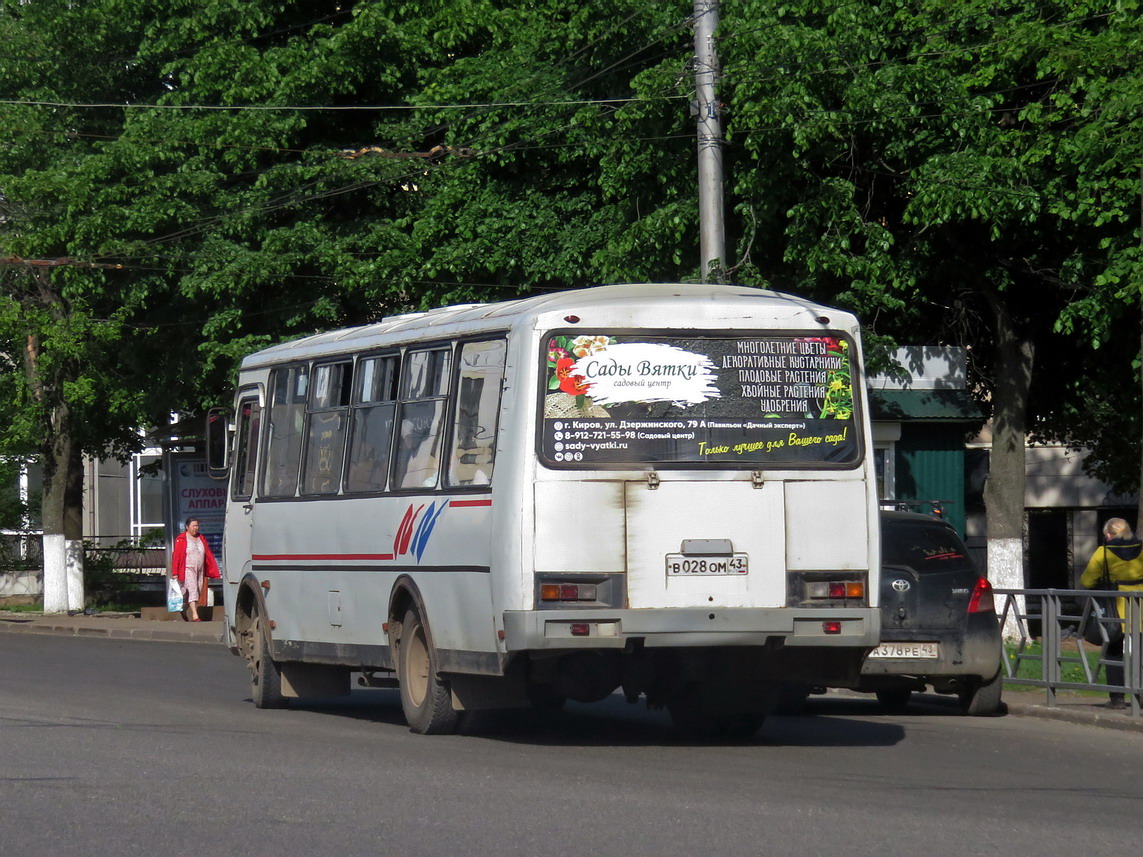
[174, 596]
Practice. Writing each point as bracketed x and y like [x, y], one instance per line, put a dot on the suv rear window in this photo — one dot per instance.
[923, 546]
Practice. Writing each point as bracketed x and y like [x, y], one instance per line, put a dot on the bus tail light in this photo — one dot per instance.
[574, 591]
[982, 599]
[835, 590]
[568, 592]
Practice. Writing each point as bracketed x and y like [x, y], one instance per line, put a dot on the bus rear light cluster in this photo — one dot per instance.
[568, 592]
[835, 590]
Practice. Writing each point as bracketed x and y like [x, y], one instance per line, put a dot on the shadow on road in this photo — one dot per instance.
[830, 721]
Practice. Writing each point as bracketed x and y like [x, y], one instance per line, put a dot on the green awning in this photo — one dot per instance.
[899, 405]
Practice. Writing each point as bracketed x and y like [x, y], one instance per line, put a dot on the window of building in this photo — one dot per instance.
[883, 461]
[148, 493]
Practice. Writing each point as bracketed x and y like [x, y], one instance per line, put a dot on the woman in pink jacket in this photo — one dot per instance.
[190, 561]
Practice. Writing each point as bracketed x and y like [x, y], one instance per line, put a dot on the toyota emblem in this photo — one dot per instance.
[901, 585]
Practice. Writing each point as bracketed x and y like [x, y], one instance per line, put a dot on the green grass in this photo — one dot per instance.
[1069, 671]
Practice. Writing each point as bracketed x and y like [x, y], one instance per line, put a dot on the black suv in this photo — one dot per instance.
[938, 622]
[938, 619]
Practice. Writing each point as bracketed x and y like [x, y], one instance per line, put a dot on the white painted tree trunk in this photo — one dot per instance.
[74, 557]
[1006, 571]
[55, 573]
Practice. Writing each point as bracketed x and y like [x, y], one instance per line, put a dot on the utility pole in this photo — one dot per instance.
[712, 232]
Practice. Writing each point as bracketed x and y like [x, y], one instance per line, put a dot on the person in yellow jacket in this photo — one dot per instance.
[1121, 556]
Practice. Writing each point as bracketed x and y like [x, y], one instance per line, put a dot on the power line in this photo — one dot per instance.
[300, 108]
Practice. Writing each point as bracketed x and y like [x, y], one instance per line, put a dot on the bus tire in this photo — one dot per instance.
[265, 677]
[425, 699]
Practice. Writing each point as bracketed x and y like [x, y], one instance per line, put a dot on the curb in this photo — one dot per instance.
[1086, 717]
[17, 626]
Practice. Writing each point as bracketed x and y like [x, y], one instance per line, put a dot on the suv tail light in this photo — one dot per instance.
[982, 600]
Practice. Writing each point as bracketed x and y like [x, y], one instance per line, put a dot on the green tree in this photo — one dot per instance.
[949, 172]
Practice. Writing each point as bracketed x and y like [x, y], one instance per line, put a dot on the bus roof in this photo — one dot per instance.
[456, 319]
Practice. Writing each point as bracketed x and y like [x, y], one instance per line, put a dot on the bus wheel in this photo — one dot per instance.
[265, 677]
[425, 699]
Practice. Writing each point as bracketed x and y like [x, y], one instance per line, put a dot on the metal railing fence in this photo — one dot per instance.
[1065, 661]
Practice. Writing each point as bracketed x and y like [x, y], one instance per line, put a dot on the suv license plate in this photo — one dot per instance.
[682, 565]
[907, 650]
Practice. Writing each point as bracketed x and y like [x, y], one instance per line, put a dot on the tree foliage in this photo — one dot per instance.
[213, 176]
[933, 166]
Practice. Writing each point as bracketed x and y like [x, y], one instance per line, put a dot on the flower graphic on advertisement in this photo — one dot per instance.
[573, 385]
[568, 391]
[584, 346]
[838, 401]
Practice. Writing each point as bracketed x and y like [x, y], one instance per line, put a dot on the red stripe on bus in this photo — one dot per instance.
[470, 502]
[313, 556]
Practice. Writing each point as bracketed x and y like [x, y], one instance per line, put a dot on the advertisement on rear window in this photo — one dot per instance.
[733, 400]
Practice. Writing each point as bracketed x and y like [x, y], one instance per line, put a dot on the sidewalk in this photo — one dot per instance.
[1022, 701]
[119, 626]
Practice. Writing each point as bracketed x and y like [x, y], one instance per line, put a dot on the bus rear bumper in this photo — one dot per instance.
[530, 630]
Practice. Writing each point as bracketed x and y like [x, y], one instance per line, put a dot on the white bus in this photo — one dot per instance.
[664, 489]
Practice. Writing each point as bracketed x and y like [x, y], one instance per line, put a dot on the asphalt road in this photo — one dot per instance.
[128, 747]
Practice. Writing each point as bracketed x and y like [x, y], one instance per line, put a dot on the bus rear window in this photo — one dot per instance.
[746, 400]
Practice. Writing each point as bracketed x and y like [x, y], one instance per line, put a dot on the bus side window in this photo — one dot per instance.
[424, 386]
[328, 417]
[288, 387]
[477, 412]
[246, 449]
[371, 429]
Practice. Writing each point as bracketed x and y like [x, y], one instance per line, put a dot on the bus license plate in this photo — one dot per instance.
[681, 565]
[907, 650]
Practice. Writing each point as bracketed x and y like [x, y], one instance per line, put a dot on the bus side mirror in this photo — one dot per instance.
[217, 442]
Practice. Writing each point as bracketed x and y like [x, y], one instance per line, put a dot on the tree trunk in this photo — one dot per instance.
[61, 460]
[1004, 490]
[55, 456]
